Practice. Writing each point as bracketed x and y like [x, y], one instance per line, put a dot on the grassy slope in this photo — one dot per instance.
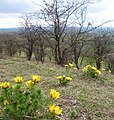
[82, 99]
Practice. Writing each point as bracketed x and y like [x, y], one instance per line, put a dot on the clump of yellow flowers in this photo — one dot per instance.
[91, 71]
[69, 65]
[29, 83]
[64, 79]
[35, 79]
[18, 79]
[26, 98]
[70, 68]
[54, 109]
[5, 85]
[54, 94]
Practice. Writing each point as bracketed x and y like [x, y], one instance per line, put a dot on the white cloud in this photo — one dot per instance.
[9, 22]
[14, 6]
[8, 15]
[101, 12]
[11, 10]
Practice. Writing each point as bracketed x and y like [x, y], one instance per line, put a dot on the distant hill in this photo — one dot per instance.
[9, 30]
[111, 29]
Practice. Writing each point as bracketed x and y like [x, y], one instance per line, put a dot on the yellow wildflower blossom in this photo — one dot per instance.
[55, 109]
[98, 72]
[36, 78]
[103, 69]
[66, 65]
[68, 78]
[5, 85]
[84, 69]
[59, 77]
[71, 65]
[109, 71]
[74, 68]
[29, 83]
[54, 94]
[94, 68]
[91, 71]
[18, 79]
[95, 74]
[87, 66]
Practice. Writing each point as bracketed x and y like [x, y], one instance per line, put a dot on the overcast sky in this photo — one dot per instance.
[11, 10]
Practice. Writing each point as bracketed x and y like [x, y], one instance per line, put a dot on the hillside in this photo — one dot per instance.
[81, 99]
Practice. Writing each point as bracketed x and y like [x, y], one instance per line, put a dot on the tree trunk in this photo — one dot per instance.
[76, 63]
[41, 53]
[30, 51]
[60, 57]
[29, 55]
[55, 53]
[98, 64]
[76, 59]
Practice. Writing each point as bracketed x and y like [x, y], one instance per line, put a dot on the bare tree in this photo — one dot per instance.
[81, 35]
[109, 58]
[57, 16]
[101, 45]
[9, 44]
[29, 32]
[40, 45]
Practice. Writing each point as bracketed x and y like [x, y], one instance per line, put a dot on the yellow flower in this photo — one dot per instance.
[70, 64]
[109, 71]
[98, 72]
[6, 102]
[87, 66]
[29, 83]
[18, 79]
[95, 74]
[55, 109]
[94, 68]
[68, 78]
[54, 94]
[36, 78]
[66, 65]
[84, 69]
[59, 77]
[5, 85]
[103, 69]
[74, 68]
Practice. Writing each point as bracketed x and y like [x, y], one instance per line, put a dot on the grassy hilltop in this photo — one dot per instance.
[82, 99]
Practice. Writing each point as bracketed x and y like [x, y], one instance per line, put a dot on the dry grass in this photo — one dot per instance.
[82, 99]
